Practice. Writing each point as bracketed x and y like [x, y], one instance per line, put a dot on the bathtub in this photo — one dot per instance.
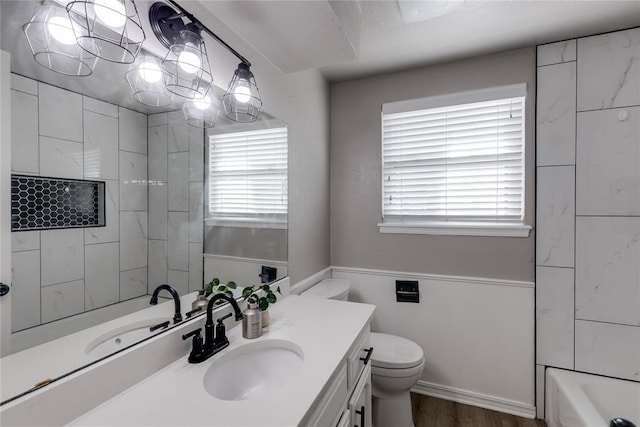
[574, 399]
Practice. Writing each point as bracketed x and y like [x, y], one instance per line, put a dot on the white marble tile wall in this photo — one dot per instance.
[178, 190]
[178, 132]
[179, 280]
[195, 266]
[602, 289]
[178, 241]
[554, 317]
[609, 73]
[608, 154]
[555, 216]
[608, 349]
[196, 212]
[158, 259]
[608, 269]
[556, 115]
[158, 210]
[59, 133]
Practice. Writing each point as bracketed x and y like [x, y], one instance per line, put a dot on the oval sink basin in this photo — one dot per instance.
[121, 337]
[253, 370]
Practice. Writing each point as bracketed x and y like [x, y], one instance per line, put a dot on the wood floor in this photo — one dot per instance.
[432, 412]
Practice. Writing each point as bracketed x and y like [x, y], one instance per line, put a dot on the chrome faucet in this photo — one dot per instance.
[177, 317]
[212, 344]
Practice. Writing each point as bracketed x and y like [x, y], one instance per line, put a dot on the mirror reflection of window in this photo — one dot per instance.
[248, 178]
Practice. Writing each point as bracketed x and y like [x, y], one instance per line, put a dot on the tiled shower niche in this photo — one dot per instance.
[39, 203]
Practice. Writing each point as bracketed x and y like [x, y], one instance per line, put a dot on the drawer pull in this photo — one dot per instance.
[369, 351]
[361, 413]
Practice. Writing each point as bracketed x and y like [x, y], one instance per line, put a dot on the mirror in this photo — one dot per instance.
[92, 286]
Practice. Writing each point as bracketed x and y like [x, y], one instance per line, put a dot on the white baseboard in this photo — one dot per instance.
[475, 399]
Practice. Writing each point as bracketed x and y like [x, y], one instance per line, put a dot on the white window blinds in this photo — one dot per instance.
[248, 175]
[455, 163]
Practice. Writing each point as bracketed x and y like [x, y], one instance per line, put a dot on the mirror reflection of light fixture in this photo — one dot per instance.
[145, 80]
[53, 44]
[242, 101]
[109, 29]
[201, 112]
[186, 67]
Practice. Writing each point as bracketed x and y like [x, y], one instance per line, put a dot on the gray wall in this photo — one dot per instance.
[259, 243]
[356, 167]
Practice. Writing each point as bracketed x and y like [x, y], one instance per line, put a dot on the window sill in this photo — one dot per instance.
[274, 224]
[455, 229]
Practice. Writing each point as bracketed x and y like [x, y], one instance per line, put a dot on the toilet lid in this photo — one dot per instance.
[391, 351]
[329, 289]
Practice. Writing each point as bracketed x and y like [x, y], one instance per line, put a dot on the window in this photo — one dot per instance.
[454, 164]
[248, 179]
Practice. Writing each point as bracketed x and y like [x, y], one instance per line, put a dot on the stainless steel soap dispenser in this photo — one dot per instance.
[252, 320]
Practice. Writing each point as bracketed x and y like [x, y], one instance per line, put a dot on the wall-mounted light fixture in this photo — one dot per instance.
[242, 101]
[201, 112]
[53, 43]
[146, 82]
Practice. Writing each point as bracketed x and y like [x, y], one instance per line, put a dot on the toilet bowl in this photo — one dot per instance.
[396, 365]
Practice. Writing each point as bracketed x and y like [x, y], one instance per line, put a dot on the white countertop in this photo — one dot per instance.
[22, 370]
[323, 329]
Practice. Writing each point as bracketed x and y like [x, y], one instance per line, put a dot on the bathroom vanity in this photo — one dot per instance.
[313, 361]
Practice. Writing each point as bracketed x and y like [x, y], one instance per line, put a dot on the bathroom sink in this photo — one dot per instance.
[122, 337]
[253, 370]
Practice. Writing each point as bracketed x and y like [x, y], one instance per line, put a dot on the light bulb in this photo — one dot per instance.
[110, 12]
[60, 29]
[202, 104]
[242, 93]
[189, 61]
[150, 72]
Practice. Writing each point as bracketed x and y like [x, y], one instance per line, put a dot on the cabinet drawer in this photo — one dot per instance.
[345, 419]
[360, 401]
[359, 356]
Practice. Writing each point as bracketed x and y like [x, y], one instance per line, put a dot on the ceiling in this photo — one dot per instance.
[344, 39]
[354, 38]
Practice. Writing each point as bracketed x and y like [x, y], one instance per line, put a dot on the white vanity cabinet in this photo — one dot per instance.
[347, 400]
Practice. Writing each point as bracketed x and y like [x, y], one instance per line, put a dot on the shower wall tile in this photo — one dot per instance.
[607, 269]
[555, 216]
[133, 283]
[609, 72]
[60, 113]
[178, 243]
[133, 131]
[607, 349]
[555, 53]
[608, 170]
[102, 275]
[196, 155]
[157, 119]
[196, 214]
[24, 133]
[158, 153]
[24, 84]
[100, 146]
[62, 300]
[133, 181]
[179, 182]
[554, 317]
[157, 263]
[196, 267]
[25, 241]
[556, 115]
[133, 240]
[179, 280]
[111, 231]
[25, 289]
[158, 211]
[100, 107]
[62, 256]
[178, 136]
[61, 158]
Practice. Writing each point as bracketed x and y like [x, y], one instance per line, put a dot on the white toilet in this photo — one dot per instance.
[396, 365]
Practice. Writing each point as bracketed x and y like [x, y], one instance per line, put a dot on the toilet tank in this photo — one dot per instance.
[337, 289]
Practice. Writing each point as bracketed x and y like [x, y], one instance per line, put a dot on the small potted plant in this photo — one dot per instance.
[264, 295]
[215, 287]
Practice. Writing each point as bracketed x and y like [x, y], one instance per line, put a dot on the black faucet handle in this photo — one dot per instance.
[223, 318]
[188, 314]
[197, 354]
[162, 325]
[192, 333]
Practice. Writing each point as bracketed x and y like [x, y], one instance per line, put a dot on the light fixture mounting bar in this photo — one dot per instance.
[204, 28]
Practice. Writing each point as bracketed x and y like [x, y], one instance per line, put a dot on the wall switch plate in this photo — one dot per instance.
[407, 291]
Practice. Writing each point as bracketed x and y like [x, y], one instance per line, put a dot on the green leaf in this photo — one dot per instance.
[215, 281]
[222, 288]
[263, 303]
[266, 288]
[232, 285]
[229, 293]
[271, 298]
[246, 292]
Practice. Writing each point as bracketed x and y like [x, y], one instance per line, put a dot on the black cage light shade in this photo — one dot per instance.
[53, 42]
[146, 82]
[109, 29]
[242, 101]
